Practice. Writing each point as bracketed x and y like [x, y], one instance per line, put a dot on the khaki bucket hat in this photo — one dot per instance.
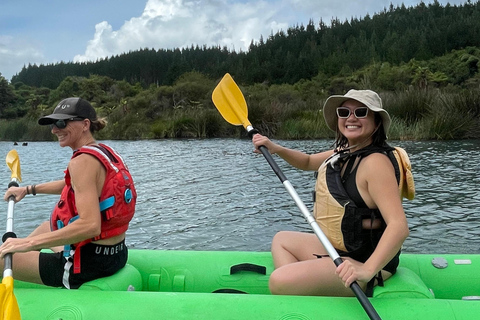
[367, 97]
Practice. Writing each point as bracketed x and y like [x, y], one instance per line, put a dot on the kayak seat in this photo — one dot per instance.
[403, 284]
[126, 279]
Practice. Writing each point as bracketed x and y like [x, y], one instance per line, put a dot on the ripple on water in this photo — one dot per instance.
[218, 195]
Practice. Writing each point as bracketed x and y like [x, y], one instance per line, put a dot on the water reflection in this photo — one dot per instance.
[218, 195]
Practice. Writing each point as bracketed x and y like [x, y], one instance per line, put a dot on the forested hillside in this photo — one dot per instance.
[423, 60]
[396, 35]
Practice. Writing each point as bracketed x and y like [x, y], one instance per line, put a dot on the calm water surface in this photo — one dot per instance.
[218, 195]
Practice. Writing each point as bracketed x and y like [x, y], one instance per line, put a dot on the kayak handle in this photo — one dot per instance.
[248, 267]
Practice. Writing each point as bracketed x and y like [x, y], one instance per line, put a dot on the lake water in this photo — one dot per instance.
[217, 194]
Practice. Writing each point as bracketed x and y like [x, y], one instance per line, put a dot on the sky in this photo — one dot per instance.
[51, 31]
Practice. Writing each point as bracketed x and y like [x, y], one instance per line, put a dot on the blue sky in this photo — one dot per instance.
[49, 31]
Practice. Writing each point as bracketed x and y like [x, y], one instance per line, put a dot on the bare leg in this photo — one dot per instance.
[311, 277]
[299, 272]
[290, 246]
[25, 266]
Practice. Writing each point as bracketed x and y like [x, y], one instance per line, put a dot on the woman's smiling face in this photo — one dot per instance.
[354, 129]
[70, 135]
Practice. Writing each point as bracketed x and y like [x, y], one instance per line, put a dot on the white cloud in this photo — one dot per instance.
[168, 24]
[14, 53]
[163, 24]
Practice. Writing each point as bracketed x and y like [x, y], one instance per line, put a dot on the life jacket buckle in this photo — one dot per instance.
[128, 196]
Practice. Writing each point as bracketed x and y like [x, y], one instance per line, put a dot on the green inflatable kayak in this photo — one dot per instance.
[158, 284]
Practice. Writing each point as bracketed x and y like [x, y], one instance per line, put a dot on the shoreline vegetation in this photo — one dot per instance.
[279, 111]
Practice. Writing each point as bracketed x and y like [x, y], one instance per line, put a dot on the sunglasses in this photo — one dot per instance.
[62, 124]
[344, 112]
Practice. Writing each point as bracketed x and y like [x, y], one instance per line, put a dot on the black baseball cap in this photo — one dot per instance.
[70, 108]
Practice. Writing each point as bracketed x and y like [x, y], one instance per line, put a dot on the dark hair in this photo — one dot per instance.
[97, 125]
[379, 137]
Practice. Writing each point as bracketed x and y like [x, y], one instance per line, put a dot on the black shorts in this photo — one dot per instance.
[97, 261]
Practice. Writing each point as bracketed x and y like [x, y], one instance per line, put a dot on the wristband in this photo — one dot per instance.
[34, 192]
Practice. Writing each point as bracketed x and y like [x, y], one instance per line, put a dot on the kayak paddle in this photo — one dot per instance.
[8, 301]
[231, 104]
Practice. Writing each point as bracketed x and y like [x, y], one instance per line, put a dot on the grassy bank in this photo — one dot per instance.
[278, 111]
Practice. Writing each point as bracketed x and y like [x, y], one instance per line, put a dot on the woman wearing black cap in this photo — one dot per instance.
[88, 225]
[357, 204]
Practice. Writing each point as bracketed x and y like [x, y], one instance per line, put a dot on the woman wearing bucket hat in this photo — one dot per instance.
[357, 204]
[88, 224]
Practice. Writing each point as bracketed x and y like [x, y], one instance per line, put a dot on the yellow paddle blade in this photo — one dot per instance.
[230, 102]
[9, 305]
[13, 162]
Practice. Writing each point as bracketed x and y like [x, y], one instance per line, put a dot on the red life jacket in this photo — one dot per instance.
[117, 200]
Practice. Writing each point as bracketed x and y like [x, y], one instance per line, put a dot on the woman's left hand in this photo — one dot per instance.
[350, 271]
[12, 245]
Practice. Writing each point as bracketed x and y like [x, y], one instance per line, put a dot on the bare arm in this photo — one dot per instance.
[295, 158]
[52, 187]
[383, 190]
[378, 187]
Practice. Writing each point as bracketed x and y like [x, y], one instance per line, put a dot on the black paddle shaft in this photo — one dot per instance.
[269, 158]
[272, 163]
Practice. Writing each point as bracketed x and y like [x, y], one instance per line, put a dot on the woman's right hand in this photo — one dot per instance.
[17, 192]
[259, 140]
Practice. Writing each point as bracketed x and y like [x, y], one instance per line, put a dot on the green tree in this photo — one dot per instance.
[7, 99]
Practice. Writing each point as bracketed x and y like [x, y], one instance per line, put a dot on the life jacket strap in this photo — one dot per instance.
[107, 203]
[371, 284]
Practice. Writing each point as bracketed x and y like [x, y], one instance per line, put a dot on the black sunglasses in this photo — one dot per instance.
[62, 123]
[344, 112]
